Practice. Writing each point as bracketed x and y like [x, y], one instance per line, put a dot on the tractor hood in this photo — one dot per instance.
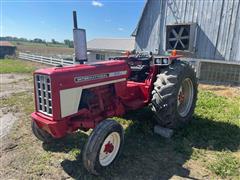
[64, 84]
[84, 74]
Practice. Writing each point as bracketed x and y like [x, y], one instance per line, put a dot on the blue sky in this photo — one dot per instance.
[53, 19]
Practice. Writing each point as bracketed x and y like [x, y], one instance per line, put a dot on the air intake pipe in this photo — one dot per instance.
[80, 43]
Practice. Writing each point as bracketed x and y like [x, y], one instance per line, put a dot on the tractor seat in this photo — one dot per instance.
[139, 68]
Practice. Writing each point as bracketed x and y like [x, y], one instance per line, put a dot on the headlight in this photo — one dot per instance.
[158, 61]
[165, 61]
[162, 61]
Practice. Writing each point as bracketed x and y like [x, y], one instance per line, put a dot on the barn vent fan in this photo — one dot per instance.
[180, 37]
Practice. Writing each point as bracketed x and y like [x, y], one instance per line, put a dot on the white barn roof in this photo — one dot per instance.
[111, 44]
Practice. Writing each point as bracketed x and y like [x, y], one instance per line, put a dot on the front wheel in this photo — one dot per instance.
[41, 134]
[174, 95]
[103, 147]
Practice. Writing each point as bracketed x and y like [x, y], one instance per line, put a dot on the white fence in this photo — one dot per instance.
[45, 60]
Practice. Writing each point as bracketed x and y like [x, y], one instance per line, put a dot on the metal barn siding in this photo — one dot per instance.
[218, 30]
[148, 27]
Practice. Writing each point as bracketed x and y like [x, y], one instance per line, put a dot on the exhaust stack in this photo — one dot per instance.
[80, 43]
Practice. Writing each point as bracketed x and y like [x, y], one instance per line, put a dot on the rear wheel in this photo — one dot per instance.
[103, 147]
[41, 134]
[174, 95]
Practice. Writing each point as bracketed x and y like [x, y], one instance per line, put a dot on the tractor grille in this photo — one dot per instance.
[43, 92]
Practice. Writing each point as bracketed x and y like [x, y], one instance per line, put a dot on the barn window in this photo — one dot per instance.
[100, 56]
[180, 37]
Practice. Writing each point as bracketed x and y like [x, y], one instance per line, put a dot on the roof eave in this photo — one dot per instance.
[105, 50]
[134, 33]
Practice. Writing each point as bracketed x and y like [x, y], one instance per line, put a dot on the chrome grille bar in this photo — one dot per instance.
[43, 92]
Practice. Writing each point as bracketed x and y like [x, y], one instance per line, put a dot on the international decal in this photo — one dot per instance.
[99, 76]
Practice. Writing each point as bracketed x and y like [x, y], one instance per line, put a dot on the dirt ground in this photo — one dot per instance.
[15, 84]
[45, 50]
[226, 91]
[11, 83]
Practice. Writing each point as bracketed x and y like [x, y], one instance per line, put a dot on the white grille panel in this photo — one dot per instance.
[44, 95]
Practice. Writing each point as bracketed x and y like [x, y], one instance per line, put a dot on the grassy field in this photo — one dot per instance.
[42, 49]
[18, 66]
[208, 148]
[18, 43]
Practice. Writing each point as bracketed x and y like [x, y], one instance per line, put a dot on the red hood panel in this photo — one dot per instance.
[64, 77]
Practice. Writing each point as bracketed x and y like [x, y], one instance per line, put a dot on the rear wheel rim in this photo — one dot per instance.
[185, 97]
[109, 149]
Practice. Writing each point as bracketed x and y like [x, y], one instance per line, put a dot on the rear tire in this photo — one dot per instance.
[103, 147]
[41, 134]
[174, 95]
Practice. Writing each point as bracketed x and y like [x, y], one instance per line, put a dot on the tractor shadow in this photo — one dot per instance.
[149, 156]
[67, 144]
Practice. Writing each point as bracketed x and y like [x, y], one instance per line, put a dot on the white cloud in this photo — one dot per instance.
[97, 4]
[121, 29]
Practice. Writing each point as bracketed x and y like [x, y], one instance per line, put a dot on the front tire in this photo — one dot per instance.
[103, 147]
[41, 134]
[174, 95]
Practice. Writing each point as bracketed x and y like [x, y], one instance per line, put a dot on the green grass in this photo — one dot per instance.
[22, 101]
[226, 165]
[17, 43]
[211, 142]
[15, 66]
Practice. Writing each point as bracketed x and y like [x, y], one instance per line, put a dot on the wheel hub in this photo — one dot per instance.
[185, 97]
[181, 97]
[108, 147]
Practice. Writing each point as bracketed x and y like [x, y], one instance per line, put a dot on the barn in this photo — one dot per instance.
[208, 32]
[106, 48]
[6, 48]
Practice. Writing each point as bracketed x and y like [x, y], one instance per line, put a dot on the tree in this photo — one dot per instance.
[53, 41]
[68, 43]
[38, 40]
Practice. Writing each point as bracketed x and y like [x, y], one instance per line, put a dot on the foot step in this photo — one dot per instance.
[162, 131]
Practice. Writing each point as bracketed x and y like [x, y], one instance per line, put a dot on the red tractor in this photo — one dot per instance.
[85, 96]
